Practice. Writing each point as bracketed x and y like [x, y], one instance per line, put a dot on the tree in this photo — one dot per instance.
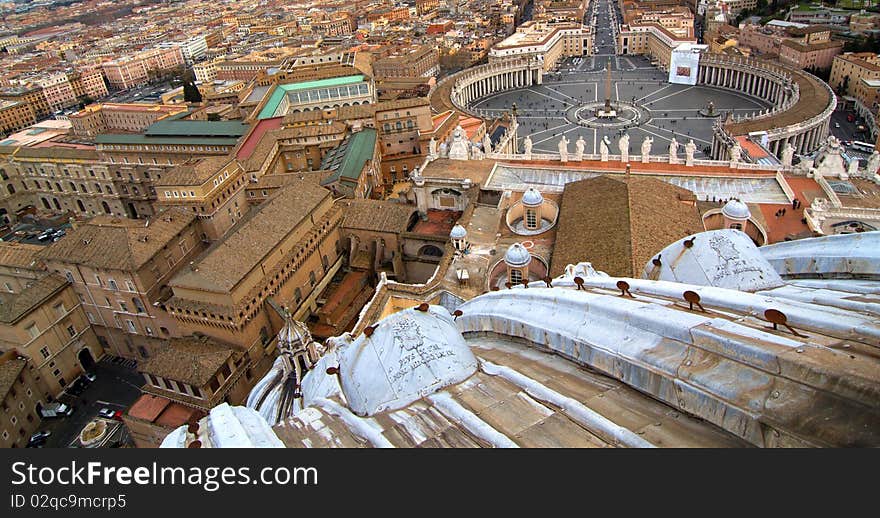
[191, 93]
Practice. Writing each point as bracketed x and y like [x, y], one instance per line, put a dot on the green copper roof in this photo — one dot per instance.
[282, 90]
[177, 128]
[347, 160]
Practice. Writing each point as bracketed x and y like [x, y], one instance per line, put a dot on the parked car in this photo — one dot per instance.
[106, 413]
[91, 376]
[56, 410]
[39, 438]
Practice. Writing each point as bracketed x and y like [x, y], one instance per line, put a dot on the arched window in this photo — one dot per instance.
[409, 124]
[10, 188]
[139, 306]
[531, 219]
[79, 203]
[398, 125]
[106, 207]
[515, 276]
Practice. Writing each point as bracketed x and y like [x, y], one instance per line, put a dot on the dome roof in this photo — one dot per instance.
[735, 209]
[532, 197]
[458, 232]
[517, 255]
[294, 334]
[410, 355]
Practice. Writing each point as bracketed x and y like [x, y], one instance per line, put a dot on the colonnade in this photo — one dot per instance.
[773, 84]
[487, 79]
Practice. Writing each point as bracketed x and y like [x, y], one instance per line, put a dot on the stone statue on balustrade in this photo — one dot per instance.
[787, 154]
[432, 148]
[563, 149]
[460, 148]
[873, 164]
[623, 146]
[579, 148]
[603, 149]
[646, 149]
[527, 146]
[852, 169]
[487, 144]
[673, 151]
[689, 149]
[735, 153]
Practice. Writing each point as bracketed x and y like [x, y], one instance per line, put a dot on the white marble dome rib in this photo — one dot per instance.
[458, 232]
[532, 197]
[517, 256]
[735, 209]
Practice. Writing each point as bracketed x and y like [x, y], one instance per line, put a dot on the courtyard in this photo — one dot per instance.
[648, 106]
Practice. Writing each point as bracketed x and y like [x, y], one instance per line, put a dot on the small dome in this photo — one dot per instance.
[532, 197]
[735, 209]
[517, 256]
[458, 232]
[294, 334]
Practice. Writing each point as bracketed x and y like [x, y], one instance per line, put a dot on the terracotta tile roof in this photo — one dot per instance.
[19, 255]
[192, 360]
[618, 225]
[113, 243]
[377, 216]
[475, 170]
[14, 306]
[227, 262]
[194, 172]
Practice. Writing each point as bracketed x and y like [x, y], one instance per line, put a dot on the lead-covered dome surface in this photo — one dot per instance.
[458, 232]
[410, 355]
[532, 197]
[517, 256]
[735, 209]
[721, 258]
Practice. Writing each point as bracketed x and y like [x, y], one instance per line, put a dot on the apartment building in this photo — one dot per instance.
[20, 396]
[212, 188]
[120, 268]
[46, 323]
[546, 41]
[227, 292]
[96, 119]
[810, 47]
[423, 61]
[15, 116]
[849, 68]
[136, 69]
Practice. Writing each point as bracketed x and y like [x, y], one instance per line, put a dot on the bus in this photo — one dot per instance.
[862, 146]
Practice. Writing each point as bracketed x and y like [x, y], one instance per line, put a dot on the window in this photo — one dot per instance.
[8, 287]
[131, 328]
[515, 276]
[139, 306]
[531, 219]
[69, 276]
[56, 372]
[32, 330]
[312, 278]
[148, 330]
[113, 285]
[45, 353]
[59, 309]
[98, 280]
[91, 317]
[123, 307]
[71, 330]
[129, 286]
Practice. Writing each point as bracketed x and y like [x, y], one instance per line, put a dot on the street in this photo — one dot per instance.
[116, 387]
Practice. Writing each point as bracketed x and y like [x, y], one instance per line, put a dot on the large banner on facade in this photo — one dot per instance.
[684, 63]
